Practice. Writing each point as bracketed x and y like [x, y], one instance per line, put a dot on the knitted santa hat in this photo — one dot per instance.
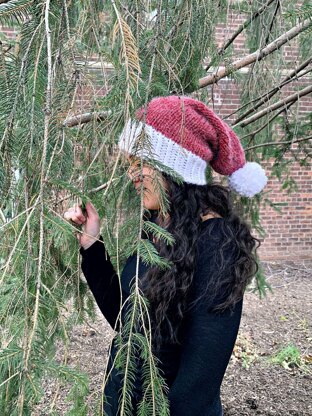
[185, 135]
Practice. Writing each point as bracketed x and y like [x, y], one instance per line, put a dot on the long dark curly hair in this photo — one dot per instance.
[168, 290]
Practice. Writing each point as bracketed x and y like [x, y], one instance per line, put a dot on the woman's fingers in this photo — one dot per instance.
[75, 214]
[74, 218]
[91, 210]
[89, 220]
[77, 220]
[67, 215]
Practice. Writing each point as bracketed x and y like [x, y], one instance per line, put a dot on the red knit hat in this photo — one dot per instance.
[185, 135]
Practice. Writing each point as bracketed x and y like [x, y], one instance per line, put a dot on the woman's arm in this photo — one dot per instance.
[102, 280]
[96, 265]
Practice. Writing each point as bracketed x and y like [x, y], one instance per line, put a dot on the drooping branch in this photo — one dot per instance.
[240, 29]
[290, 99]
[29, 338]
[268, 95]
[258, 55]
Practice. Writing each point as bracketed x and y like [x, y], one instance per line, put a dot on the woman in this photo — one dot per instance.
[196, 304]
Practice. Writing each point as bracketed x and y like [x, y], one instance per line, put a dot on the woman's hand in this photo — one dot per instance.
[90, 222]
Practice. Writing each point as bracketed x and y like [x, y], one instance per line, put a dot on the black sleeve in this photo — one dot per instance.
[102, 280]
[208, 341]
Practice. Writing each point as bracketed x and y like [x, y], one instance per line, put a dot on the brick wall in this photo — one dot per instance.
[288, 232]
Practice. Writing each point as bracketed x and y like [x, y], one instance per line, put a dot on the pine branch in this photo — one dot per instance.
[11, 117]
[5, 267]
[159, 232]
[16, 9]
[290, 99]
[255, 56]
[129, 53]
[152, 368]
[31, 335]
[301, 11]
[123, 404]
[240, 29]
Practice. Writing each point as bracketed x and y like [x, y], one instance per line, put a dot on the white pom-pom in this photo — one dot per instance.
[248, 180]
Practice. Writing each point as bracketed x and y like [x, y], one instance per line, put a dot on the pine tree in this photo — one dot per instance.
[53, 154]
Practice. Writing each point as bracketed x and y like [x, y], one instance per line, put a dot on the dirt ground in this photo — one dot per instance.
[253, 384]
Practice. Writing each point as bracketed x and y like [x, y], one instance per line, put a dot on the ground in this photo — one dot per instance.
[253, 385]
[270, 371]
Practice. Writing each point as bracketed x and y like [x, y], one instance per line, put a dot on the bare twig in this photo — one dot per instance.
[258, 55]
[290, 99]
[253, 133]
[93, 190]
[277, 7]
[85, 118]
[9, 378]
[303, 139]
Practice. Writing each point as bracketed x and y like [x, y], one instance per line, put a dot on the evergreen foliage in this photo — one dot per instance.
[155, 48]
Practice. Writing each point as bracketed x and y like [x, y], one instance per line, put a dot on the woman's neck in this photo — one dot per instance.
[205, 217]
[210, 215]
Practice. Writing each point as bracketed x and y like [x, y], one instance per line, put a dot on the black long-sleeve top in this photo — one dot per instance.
[193, 369]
